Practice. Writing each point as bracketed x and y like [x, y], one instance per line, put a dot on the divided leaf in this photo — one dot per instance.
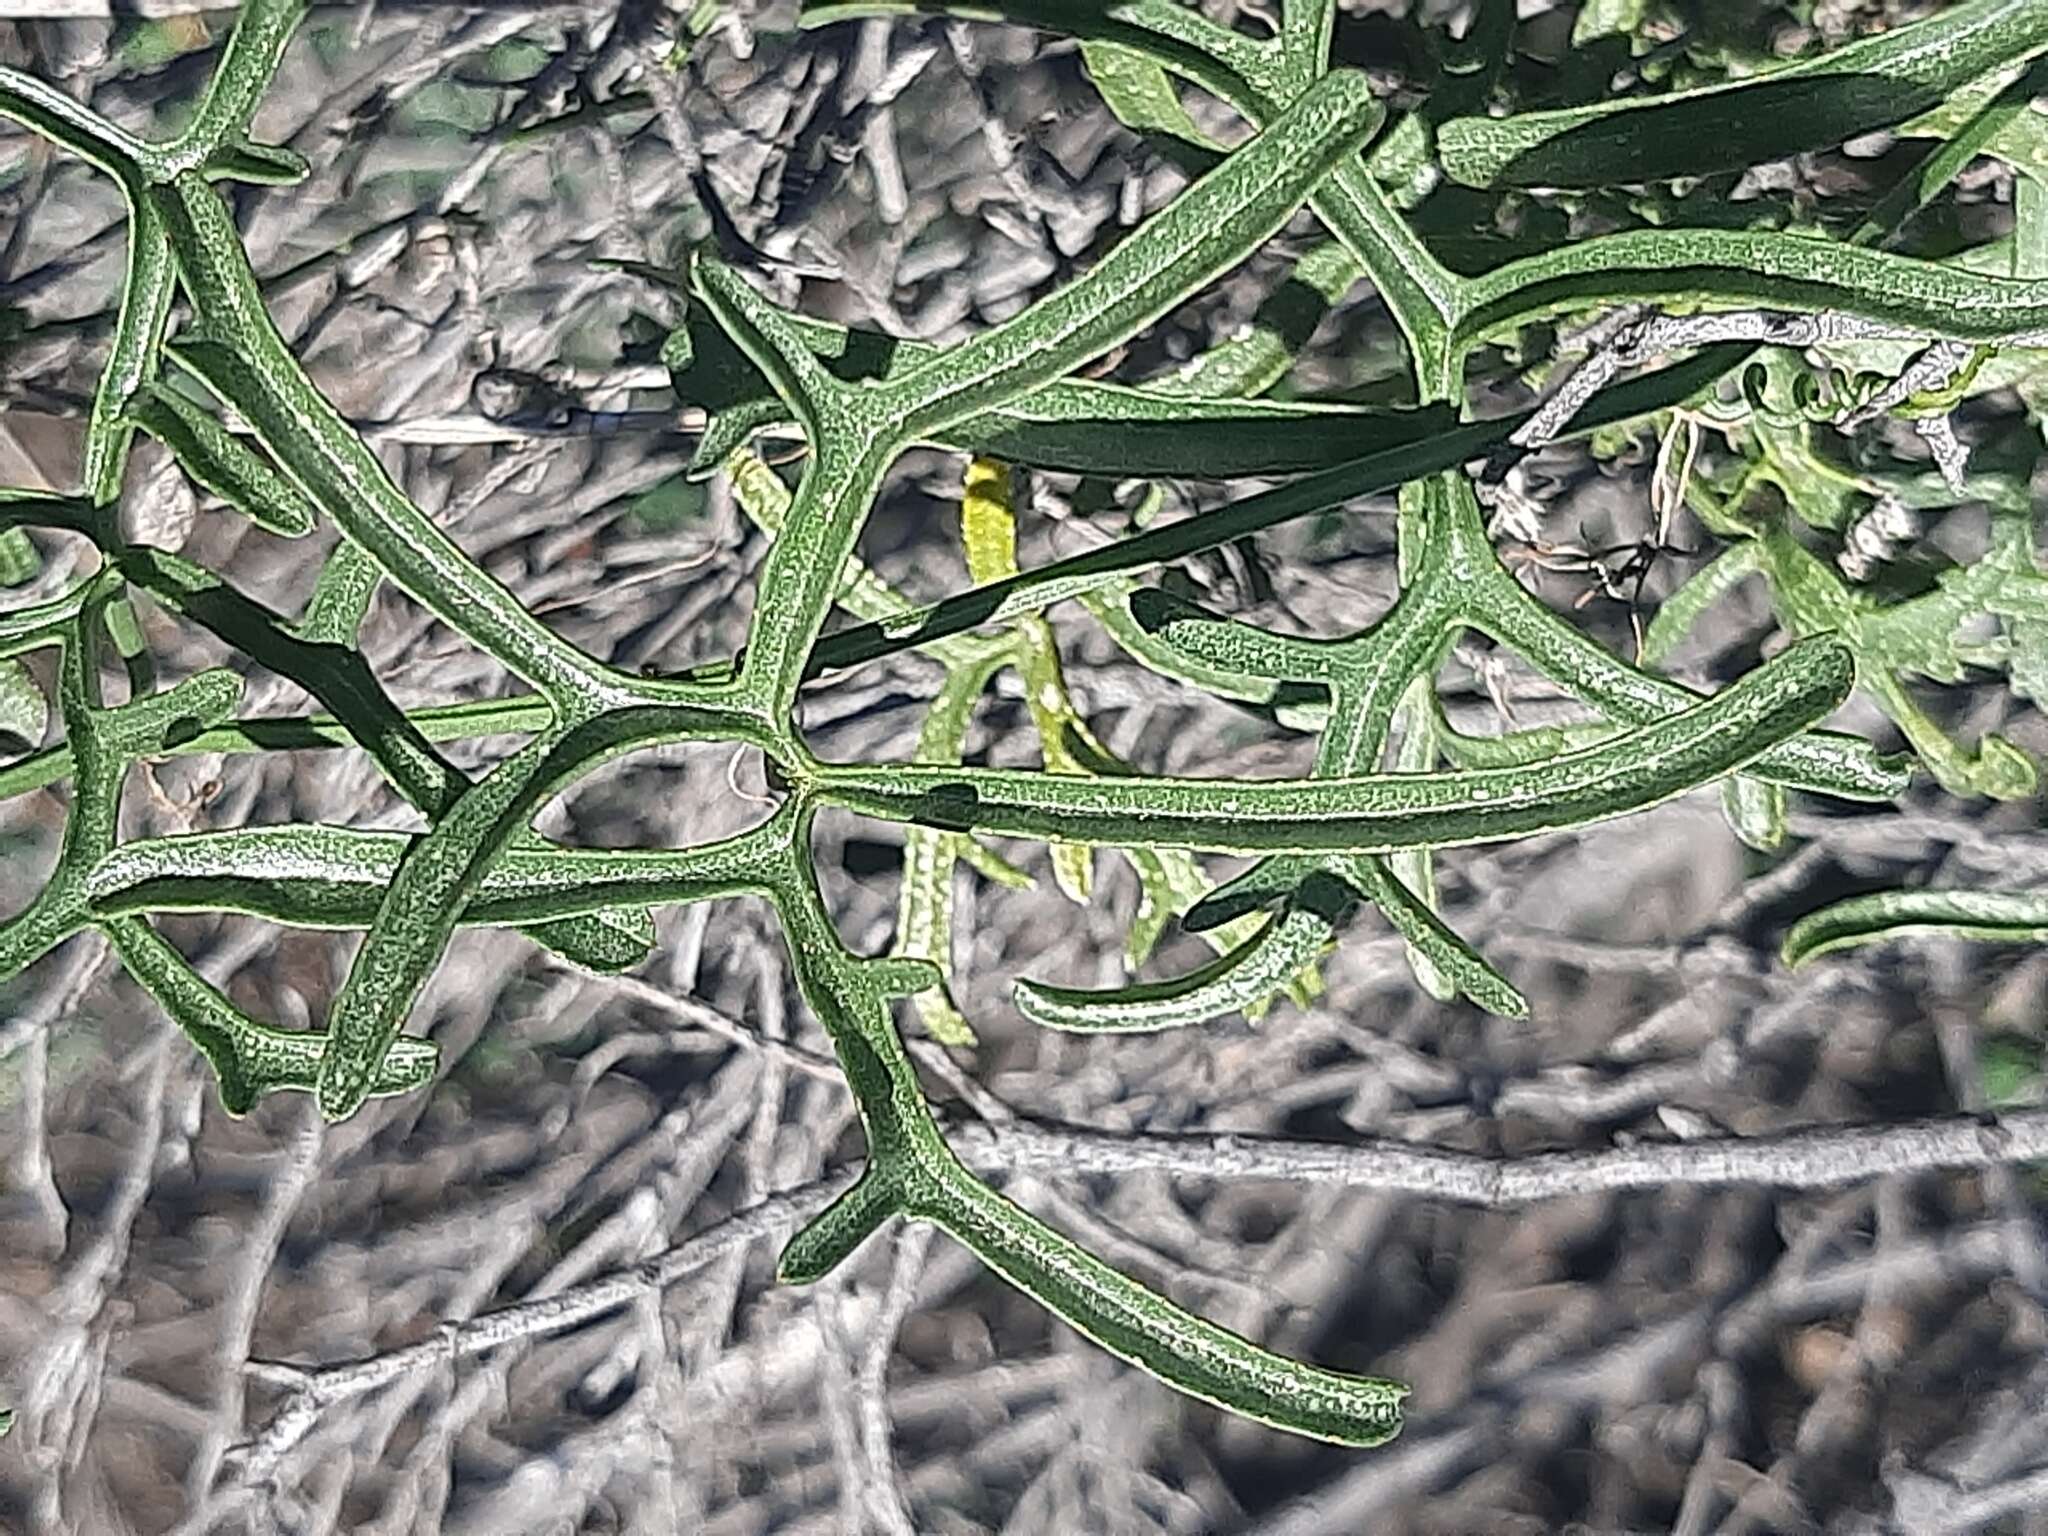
[1345, 834]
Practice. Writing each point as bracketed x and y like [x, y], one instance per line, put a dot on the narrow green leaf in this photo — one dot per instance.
[135, 358]
[1188, 1352]
[1755, 812]
[312, 876]
[1204, 232]
[261, 165]
[1750, 269]
[213, 457]
[244, 360]
[1234, 982]
[1248, 364]
[1682, 610]
[1463, 967]
[1866, 85]
[1410, 886]
[1216, 643]
[63, 120]
[1375, 813]
[1999, 917]
[1164, 428]
[250, 59]
[1140, 94]
[1181, 38]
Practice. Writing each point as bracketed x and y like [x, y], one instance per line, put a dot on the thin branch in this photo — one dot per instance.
[311, 1392]
[881, 1488]
[1804, 1159]
[1642, 338]
[259, 1252]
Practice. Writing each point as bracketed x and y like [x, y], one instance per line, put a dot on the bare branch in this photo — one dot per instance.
[1642, 339]
[311, 1392]
[1807, 1159]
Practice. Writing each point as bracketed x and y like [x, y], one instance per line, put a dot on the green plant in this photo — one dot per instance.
[1349, 834]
